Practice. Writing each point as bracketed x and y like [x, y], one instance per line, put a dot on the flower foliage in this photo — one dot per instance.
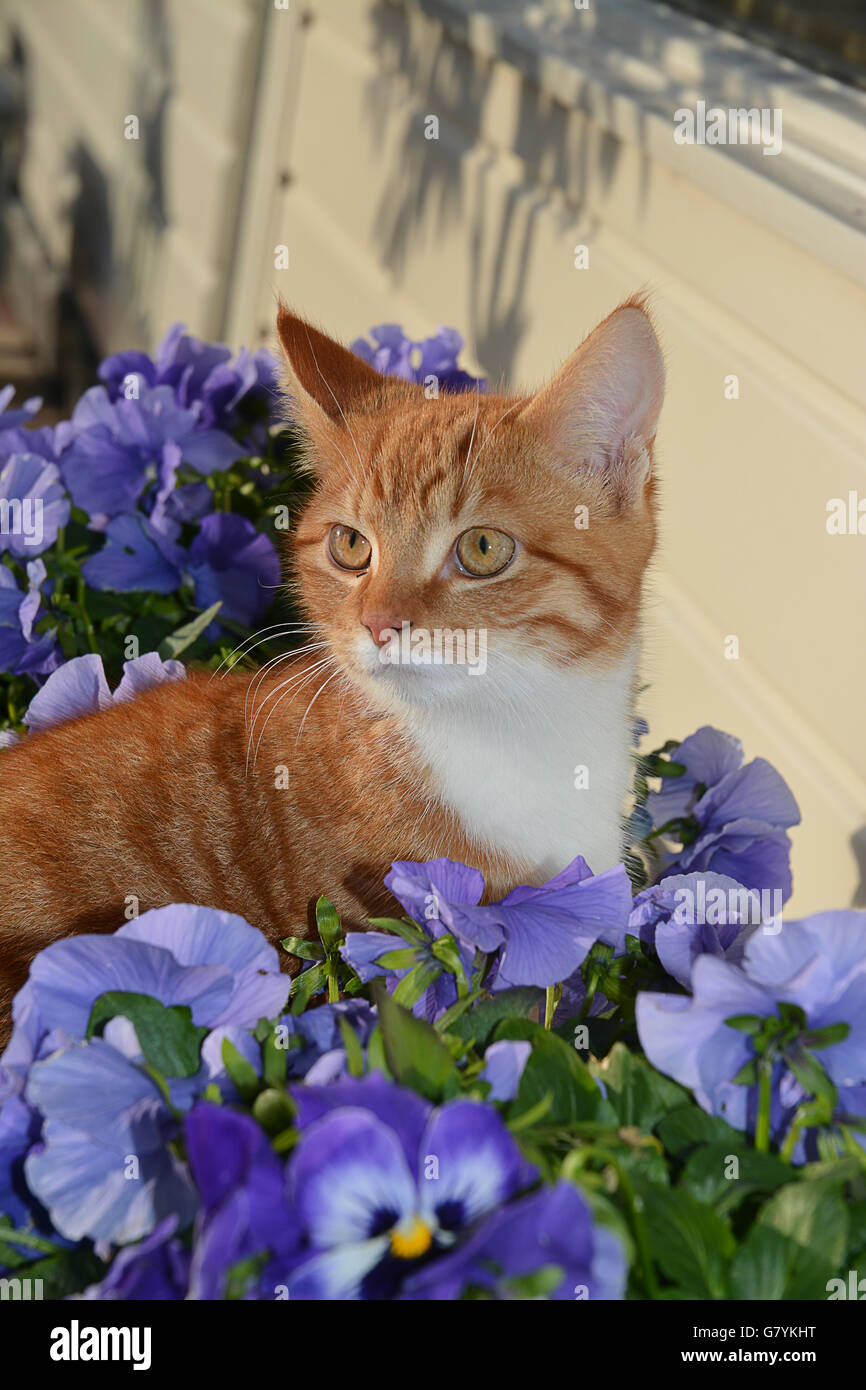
[534, 1097]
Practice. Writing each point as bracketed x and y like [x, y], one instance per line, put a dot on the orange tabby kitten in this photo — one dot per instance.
[526, 522]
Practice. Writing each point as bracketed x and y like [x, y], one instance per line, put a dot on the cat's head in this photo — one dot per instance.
[528, 519]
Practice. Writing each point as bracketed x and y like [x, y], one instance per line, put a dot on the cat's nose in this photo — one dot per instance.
[379, 625]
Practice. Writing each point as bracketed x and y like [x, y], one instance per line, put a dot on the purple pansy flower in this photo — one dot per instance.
[210, 960]
[13, 419]
[19, 1130]
[23, 652]
[103, 1167]
[136, 555]
[244, 1208]
[740, 813]
[99, 1105]
[504, 1062]
[382, 1183]
[317, 1032]
[80, 687]
[362, 950]
[544, 933]
[552, 1229]
[118, 447]
[688, 915]
[201, 375]
[155, 1269]
[33, 505]
[394, 354]
[232, 562]
[817, 964]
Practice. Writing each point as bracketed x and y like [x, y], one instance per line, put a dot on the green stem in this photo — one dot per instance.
[765, 1087]
[29, 1242]
[333, 984]
[790, 1141]
[552, 996]
[85, 616]
[635, 1211]
[591, 987]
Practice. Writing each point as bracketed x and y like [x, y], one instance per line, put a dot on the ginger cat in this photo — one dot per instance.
[461, 513]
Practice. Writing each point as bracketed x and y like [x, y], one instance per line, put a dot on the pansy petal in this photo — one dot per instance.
[349, 1179]
[78, 688]
[403, 1111]
[337, 1275]
[469, 1164]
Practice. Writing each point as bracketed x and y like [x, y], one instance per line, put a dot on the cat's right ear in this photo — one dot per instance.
[601, 409]
[325, 381]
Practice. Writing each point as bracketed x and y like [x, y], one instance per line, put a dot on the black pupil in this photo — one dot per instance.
[483, 544]
[353, 536]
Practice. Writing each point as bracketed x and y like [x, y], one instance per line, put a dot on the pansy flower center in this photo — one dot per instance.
[413, 1237]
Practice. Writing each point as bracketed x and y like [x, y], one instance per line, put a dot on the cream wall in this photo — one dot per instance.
[555, 129]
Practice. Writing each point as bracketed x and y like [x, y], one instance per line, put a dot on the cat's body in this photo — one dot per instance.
[258, 793]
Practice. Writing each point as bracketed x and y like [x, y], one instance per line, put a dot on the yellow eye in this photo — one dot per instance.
[349, 549]
[484, 551]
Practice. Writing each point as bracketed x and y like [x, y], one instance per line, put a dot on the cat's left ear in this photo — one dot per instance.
[325, 381]
[601, 410]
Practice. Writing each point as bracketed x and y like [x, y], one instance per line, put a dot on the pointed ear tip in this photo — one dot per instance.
[637, 319]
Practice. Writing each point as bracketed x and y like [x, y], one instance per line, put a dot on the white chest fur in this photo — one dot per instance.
[538, 762]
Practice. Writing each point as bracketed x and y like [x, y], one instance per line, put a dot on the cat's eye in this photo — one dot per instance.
[483, 551]
[348, 548]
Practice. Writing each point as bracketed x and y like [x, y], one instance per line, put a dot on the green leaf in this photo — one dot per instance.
[274, 1061]
[168, 1037]
[240, 1071]
[305, 985]
[410, 931]
[817, 1038]
[178, 641]
[688, 1126]
[479, 1024]
[416, 1055]
[796, 1245]
[61, 1274]
[401, 959]
[241, 1276]
[446, 950]
[706, 1174]
[747, 1023]
[812, 1077]
[552, 1068]
[376, 1059]
[416, 983]
[352, 1045]
[690, 1242]
[664, 767]
[304, 950]
[639, 1094]
[328, 924]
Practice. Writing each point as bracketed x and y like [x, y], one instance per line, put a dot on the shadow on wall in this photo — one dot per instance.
[569, 155]
[115, 217]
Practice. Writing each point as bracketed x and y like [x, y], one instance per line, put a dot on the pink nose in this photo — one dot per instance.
[380, 624]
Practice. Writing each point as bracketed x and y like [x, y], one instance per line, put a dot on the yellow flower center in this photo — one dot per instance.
[411, 1239]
